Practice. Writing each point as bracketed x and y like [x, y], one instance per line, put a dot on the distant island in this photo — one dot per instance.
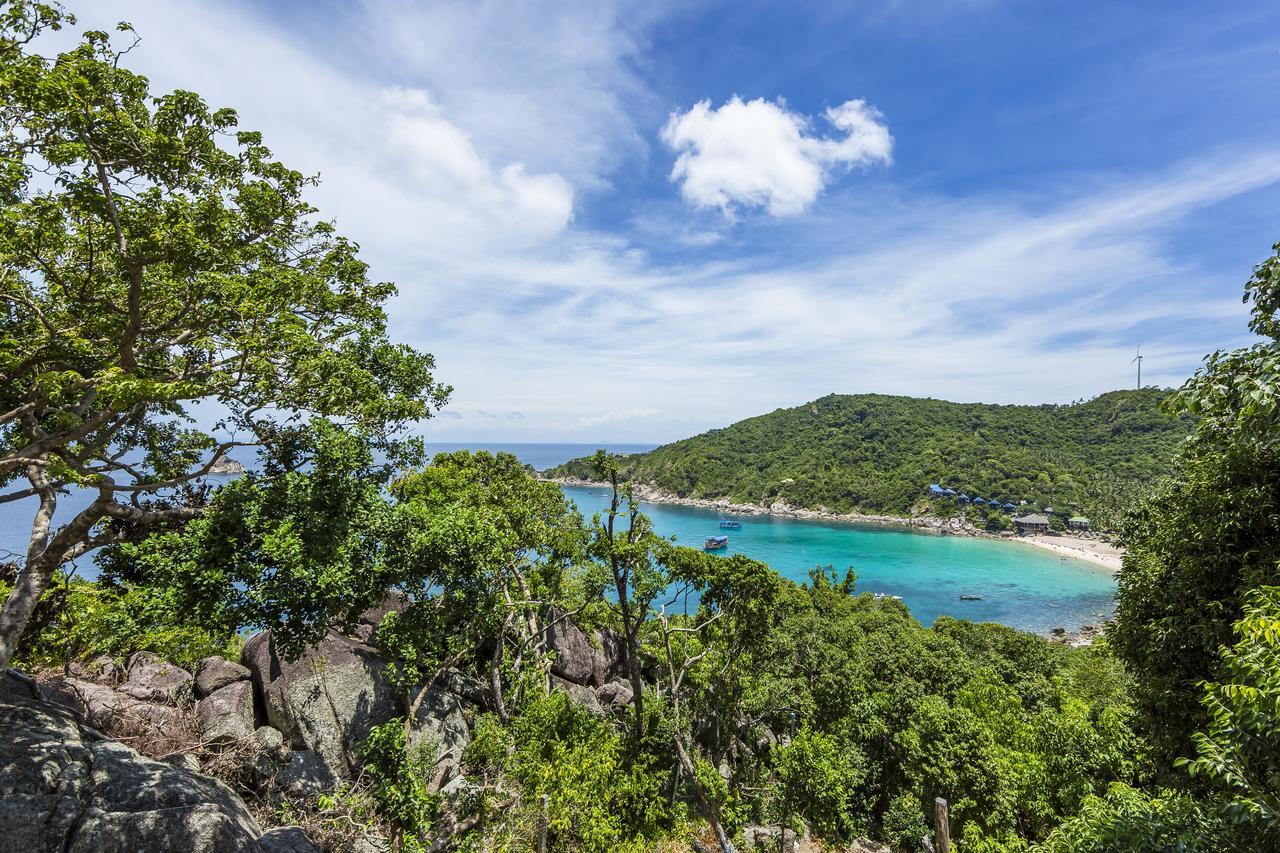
[878, 454]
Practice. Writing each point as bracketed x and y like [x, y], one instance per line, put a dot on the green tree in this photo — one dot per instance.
[1240, 751]
[1209, 536]
[155, 256]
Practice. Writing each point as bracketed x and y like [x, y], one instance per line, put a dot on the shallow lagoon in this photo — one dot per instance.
[1021, 585]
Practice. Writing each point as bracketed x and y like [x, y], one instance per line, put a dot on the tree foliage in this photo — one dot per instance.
[156, 256]
[876, 453]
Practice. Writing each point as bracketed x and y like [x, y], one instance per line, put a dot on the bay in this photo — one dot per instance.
[1020, 585]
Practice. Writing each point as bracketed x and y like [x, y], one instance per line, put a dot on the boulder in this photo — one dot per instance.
[441, 727]
[106, 709]
[766, 838]
[327, 701]
[287, 839]
[369, 620]
[102, 669]
[615, 695]
[65, 788]
[306, 774]
[583, 659]
[153, 679]
[215, 673]
[226, 716]
[579, 694]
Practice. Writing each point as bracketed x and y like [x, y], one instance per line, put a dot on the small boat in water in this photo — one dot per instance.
[884, 596]
[970, 598]
[729, 524]
[715, 543]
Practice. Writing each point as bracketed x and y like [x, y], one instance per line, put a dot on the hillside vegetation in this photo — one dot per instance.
[879, 453]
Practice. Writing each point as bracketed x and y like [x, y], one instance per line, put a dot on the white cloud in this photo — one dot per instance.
[760, 154]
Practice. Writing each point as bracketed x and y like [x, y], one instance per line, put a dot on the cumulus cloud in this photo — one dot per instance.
[760, 154]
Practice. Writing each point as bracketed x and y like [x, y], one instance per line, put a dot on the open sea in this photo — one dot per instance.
[1021, 586]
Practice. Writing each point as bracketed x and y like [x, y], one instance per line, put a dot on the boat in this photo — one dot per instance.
[729, 524]
[715, 543]
[970, 598]
[884, 596]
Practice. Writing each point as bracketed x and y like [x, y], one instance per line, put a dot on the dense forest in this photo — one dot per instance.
[878, 454]
[371, 650]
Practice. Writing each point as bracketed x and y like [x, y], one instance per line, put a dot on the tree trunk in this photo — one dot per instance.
[708, 808]
[33, 580]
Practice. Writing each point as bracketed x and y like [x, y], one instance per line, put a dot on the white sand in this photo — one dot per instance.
[1093, 550]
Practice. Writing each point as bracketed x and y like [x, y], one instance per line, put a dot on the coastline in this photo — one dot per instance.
[1093, 551]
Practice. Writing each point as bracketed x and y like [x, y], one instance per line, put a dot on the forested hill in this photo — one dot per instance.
[879, 453]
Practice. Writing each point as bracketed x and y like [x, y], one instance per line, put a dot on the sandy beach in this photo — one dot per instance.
[1091, 550]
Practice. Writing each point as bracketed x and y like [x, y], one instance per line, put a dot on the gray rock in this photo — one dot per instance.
[306, 774]
[101, 669]
[226, 716]
[182, 761]
[107, 709]
[615, 695]
[287, 839]
[583, 659]
[327, 701]
[441, 727]
[579, 694]
[153, 679]
[368, 621]
[214, 673]
[64, 788]
[765, 838]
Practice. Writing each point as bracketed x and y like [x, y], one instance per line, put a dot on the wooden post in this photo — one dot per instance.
[542, 825]
[941, 826]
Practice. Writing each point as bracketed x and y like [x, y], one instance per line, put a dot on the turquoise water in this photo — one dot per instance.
[1021, 585]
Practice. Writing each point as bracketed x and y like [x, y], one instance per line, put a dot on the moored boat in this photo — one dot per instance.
[715, 543]
[730, 524]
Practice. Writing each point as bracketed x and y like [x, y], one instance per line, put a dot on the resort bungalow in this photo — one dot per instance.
[979, 502]
[1078, 522]
[1032, 524]
[963, 498]
[935, 489]
[1009, 507]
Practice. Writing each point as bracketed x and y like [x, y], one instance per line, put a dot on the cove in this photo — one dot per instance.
[1022, 586]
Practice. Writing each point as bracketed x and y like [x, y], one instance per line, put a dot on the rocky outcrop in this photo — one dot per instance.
[589, 660]
[107, 709]
[327, 701]
[287, 839]
[214, 673]
[225, 716]
[65, 788]
[154, 679]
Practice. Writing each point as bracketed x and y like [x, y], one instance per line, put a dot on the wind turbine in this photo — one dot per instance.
[1138, 358]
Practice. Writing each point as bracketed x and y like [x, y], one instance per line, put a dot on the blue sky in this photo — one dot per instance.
[634, 222]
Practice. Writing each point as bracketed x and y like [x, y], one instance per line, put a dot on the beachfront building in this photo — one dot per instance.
[1078, 522]
[1032, 524]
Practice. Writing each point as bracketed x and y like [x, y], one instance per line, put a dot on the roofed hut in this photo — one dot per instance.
[1032, 524]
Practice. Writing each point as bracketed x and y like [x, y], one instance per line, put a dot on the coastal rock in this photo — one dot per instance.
[368, 621]
[441, 726]
[576, 659]
[106, 709]
[63, 787]
[214, 673]
[153, 679]
[579, 694]
[101, 669]
[615, 695]
[226, 716]
[588, 660]
[287, 839]
[327, 701]
[225, 465]
[306, 774]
